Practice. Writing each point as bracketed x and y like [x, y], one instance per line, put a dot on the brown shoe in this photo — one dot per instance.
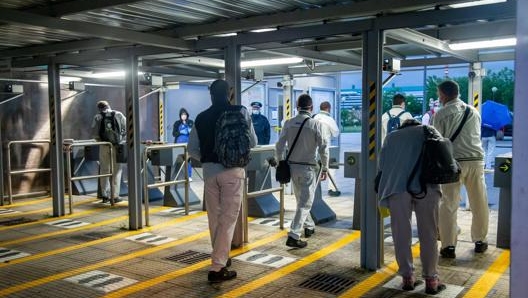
[433, 285]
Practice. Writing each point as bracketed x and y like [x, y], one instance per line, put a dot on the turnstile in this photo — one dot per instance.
[502, 179]
[258, 172]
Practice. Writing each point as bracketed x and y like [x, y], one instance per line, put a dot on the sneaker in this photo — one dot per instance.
[408, 283]
[308, 232]
[190, 179]
[296, 243]
[220, 276]
[433, 285]
[448, 252]
[481, 247]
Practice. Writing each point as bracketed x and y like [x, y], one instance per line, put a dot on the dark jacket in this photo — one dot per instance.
[262, 128]
[205, 127]
[175, 127]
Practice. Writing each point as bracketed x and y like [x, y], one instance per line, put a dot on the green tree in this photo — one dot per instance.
[412, 104]
[433, 81]
[504, 82]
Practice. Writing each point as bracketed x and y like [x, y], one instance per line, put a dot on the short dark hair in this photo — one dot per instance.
[325, 105]
[102, 104]
[304, 101]
[449, 88]
[398, 99]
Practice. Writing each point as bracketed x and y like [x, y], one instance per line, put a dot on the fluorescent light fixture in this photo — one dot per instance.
[493, 43]
[263, 30]
[66, 80]
[266, 62]
[111, 74]
[475, 3]
[226, 34]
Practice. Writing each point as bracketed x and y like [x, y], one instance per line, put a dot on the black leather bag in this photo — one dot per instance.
[283, 174]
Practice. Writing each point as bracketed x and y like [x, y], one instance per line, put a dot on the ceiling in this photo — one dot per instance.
[177, 38]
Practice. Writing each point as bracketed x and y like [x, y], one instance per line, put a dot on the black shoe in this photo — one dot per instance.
[228, 263]
[117, 200]
[220, 276]
[296, 243]
[448, 252]
[308, 232]
[104, 200]
[481, 247]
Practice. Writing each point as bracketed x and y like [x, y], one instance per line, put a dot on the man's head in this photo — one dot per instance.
[255, 106]
[447, 91]
[103, 105]
[398, 100]
[304, 103]
[325, 106]
[219, 91]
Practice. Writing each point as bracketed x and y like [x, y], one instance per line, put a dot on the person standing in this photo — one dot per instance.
[181, 131]
[329, 125]
[222, 186]
[109, 126]
[397, 112]
[260, 124]
[398, 156]
[489, 140]
[467, 150]
[303, 165]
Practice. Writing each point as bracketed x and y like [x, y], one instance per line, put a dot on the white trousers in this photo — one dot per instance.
[488, 143]
[473, 179]
[304, 183]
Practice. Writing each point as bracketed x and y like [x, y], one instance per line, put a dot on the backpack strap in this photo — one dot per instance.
[401, 113]
[455, 135]
[296, 138]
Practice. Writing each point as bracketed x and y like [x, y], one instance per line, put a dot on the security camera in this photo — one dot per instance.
[471, 74]
[279, 84]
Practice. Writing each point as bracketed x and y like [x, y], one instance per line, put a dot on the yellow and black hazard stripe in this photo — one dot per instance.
[372, 121]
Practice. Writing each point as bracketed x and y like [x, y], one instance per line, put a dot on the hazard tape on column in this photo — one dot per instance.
[130, 124]
[288, 108]
[372, 121]
[476, 100]
[161, 131]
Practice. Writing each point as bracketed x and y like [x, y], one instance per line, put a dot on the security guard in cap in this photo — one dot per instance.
[260, 124]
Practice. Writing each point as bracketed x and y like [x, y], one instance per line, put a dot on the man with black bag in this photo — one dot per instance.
[455, 115]
[302, 138]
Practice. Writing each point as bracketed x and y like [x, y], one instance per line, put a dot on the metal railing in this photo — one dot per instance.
[254, 194]
[146, 186]
[68, 146]
[24, 171]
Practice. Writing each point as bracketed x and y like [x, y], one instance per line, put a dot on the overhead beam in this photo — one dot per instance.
[309, 54]
[479, 30]
[69, 46]
[323, 69]
[95, 30]
[76, 6]
[351, 10]
[430, 43]
[179, 72]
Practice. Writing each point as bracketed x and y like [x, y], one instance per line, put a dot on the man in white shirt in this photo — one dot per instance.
[397, 110]
[331, 129]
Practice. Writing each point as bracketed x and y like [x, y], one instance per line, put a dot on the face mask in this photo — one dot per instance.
[256, 112]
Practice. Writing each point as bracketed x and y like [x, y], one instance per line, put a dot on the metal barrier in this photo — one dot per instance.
[24, 171]
[68, 146]
[254, 194]
[146, 186]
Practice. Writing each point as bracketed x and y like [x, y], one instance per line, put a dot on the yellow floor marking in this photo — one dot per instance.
[102, 240]
[488, 280]
[377, 278]
[78, 214]
[30, 202]
[23, 213]
[281, 272]
[66, 231]
[112, 261]
[177, 273]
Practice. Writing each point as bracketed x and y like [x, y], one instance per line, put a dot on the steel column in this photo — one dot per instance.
[519, 241]
[232, 69]
[134, 154]
[476, 74]
[56, 154]
[371, 242]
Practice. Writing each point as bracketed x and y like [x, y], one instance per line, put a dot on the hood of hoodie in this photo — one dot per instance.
[184, 111]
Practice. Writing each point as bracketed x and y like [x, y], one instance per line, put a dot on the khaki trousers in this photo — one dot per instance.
[223, 197]
[104, 167]
[473, 179]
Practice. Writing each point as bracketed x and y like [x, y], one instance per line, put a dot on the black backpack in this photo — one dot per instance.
[109, 130]
[232, 138]
[394, 122]
[436, 160]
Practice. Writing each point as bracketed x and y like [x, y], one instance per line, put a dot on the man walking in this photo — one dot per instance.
[109, 126]
[467, 150]
[393, 117]
[223, 185]
[303, 164]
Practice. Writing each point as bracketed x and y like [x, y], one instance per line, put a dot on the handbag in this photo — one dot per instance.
[283, 173]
